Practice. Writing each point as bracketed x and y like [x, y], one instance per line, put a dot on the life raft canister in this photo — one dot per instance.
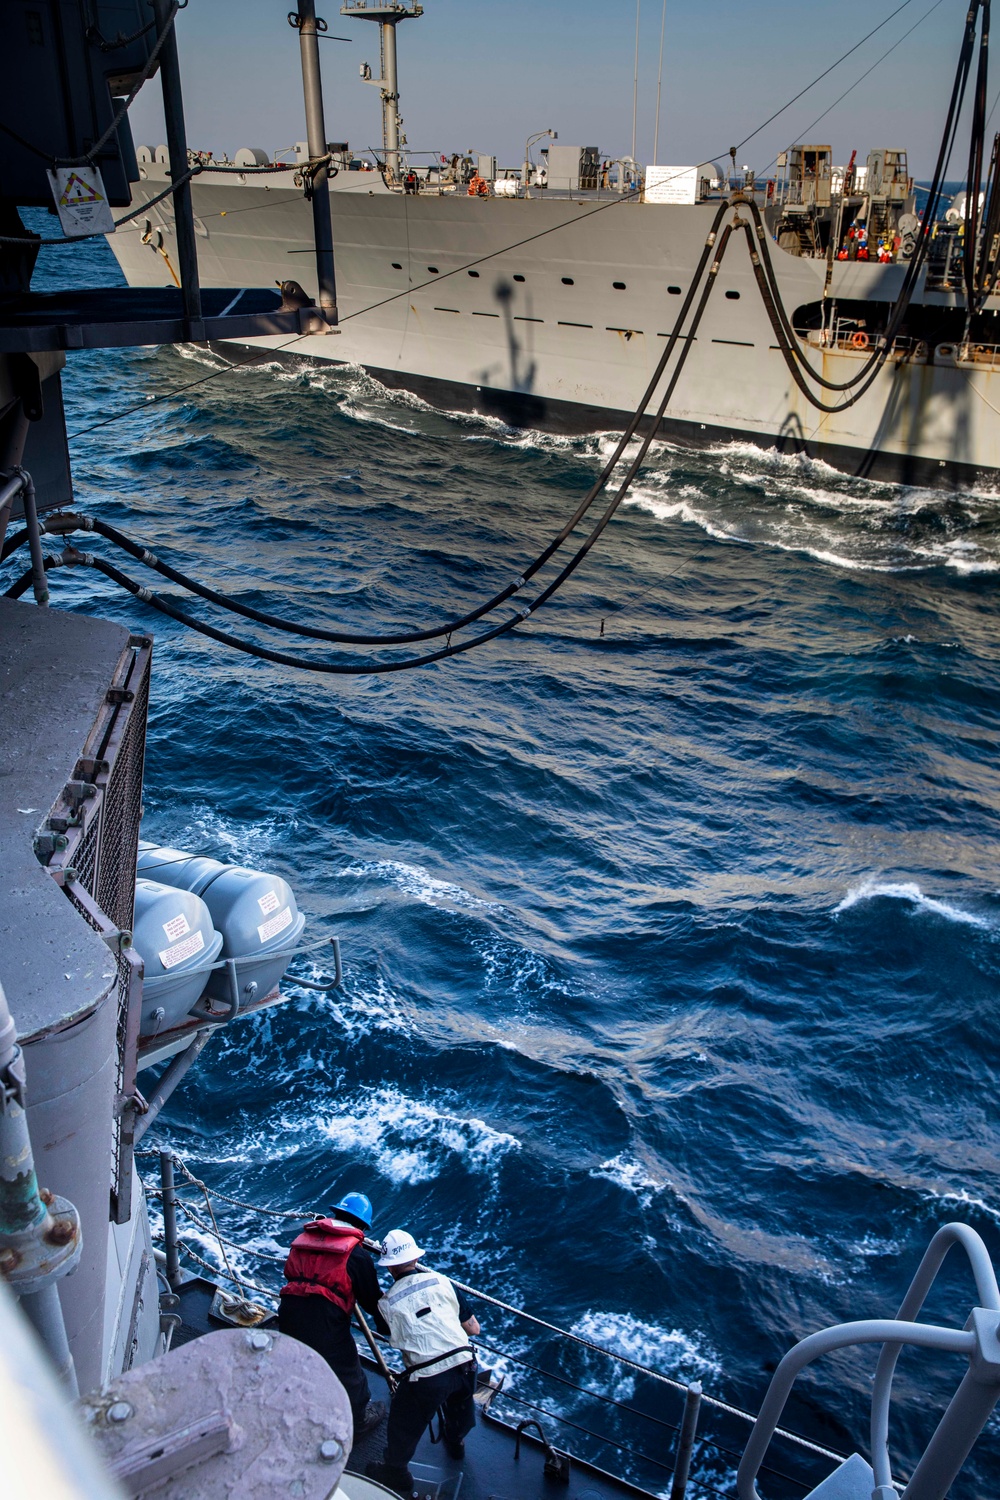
[317, 1263]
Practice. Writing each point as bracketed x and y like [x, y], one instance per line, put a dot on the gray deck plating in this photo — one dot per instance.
[54, 671]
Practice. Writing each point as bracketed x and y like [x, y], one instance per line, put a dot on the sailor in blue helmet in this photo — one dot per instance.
[326, 1273]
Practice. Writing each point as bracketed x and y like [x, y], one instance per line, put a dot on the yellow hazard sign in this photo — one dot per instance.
[81, 202]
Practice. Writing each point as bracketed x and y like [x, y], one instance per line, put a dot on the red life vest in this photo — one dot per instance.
[317, 1263]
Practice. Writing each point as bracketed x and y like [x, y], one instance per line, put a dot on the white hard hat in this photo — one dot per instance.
[399, 1248]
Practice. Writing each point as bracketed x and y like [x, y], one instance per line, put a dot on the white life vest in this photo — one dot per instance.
[421, 1310]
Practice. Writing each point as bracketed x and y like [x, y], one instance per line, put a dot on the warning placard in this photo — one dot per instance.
[81, 201]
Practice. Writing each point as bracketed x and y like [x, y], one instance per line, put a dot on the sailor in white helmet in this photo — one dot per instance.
[428, 1323]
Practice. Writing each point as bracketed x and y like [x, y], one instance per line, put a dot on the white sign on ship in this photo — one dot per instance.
[81, 202]
[671, 185]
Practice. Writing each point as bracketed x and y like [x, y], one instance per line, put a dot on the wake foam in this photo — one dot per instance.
[871, 888]
[415, 881]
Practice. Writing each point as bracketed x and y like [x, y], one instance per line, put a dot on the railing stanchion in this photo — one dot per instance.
[169, 1201]
[685, 1440]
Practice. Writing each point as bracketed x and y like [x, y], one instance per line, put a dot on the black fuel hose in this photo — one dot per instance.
[879, 356]
[319, 633]
[74, 558]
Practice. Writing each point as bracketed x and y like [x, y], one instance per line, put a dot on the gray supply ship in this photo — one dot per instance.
[547, 303]
[123, 1369]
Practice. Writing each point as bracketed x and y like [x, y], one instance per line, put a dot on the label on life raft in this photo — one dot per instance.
[269, 902]
[81, 202]
[177, 927]
[186, 948]
[275, 925]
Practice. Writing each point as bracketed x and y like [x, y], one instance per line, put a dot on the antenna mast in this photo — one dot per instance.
[388, 15]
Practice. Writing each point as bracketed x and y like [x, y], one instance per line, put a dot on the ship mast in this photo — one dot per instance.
[388, 16]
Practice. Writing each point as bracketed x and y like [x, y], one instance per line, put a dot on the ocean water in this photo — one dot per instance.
[671, 920]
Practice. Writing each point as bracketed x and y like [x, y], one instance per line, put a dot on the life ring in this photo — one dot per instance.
[859, 340]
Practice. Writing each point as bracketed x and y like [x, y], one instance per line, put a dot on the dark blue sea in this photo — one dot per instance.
[671, 921]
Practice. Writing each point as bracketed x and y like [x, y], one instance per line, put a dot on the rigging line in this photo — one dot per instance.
[149, 559]
[236, 364]
[659, 85]
[805, 133]
[822, 75]
[768, 285]
[71, 557]
[194, 170]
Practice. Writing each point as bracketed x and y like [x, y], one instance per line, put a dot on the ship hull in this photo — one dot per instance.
[552, 314]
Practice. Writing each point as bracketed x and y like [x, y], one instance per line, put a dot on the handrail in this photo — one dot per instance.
[970, 1407]
[826, 1341]
[926, 1274]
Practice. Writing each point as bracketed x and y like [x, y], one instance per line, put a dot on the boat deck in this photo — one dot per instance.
[489, 1470]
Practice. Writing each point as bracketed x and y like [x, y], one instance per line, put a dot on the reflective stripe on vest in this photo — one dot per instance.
[421, 1310]
[317, 1263]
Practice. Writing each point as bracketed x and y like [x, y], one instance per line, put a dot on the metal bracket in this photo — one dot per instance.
[161, 1458]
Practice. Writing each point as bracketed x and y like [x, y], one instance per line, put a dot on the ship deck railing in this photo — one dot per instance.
[585, 1392]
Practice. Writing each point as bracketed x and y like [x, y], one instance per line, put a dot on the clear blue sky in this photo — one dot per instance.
[485, 73]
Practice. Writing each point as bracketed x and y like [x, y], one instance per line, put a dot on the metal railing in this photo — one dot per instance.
[680, 1436]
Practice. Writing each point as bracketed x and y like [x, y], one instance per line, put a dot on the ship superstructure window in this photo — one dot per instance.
[518, 278]
[567, 281]
[474, 273]
[433, 270]
[396, 266]
[733, 296]
[619, 286]
[674, 291]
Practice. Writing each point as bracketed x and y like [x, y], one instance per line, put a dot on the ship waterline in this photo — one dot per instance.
[552, 312]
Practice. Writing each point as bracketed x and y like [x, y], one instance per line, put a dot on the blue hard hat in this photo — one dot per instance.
[358, 1206]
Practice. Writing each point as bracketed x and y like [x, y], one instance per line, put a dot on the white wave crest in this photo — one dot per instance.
[871, 888]
[630, 1175]
[411, 1141]
[669, 1351]
[414, 880]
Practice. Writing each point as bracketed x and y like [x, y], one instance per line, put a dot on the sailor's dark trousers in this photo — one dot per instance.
[415, 1403]
[327, 1329]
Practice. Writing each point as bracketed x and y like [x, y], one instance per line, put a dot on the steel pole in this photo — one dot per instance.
[390, 86]
[170, 1078]
[169, 1201]
[312, 91]
[967, 1414]
[39, 578]
[43, 1311]
[37, 1248]
[173, 114]
[685, 1441]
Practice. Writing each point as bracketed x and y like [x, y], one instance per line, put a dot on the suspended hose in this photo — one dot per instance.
[74, 558]
[767, 280]
[319, 633]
